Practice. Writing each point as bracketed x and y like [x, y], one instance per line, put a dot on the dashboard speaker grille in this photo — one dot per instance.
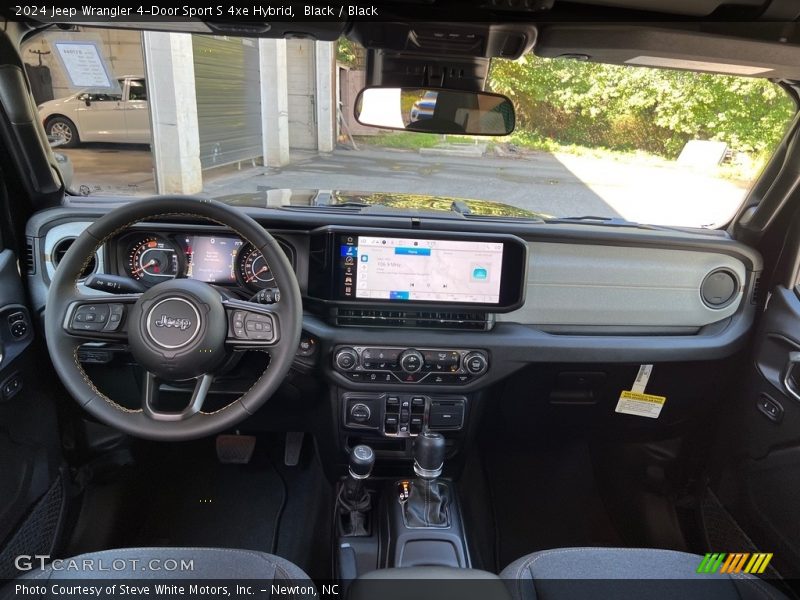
[359, 317]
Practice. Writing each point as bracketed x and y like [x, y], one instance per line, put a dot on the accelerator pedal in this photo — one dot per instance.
[235, 449]
[292, 448]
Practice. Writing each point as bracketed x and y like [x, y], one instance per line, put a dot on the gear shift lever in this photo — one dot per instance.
[428, 500]
[429, 450]
[362, 459]
[354, 500]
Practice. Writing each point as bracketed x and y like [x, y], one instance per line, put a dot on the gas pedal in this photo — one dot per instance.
[293, 447]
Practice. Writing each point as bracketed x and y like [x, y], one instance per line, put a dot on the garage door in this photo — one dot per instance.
[227, 82]
[301, 76]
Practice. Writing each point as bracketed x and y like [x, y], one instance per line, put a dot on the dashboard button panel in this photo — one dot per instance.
[402, 415]
[428, 366]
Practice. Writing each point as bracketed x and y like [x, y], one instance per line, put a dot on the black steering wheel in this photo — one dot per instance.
[177, 330]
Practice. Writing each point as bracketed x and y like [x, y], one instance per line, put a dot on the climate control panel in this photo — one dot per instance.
[428, 366]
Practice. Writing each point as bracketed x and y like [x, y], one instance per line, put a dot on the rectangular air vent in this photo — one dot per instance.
[30, 255]
[360, 317]
[757, 295]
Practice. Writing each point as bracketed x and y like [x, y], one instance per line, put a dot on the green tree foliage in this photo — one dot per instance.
[346, 52]
[637, 108]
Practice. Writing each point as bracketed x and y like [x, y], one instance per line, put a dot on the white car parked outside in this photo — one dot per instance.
[100, 116]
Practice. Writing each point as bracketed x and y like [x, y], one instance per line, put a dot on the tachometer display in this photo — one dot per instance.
[254, 270]
[152, 260]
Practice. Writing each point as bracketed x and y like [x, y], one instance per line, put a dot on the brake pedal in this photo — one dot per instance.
[235, 449]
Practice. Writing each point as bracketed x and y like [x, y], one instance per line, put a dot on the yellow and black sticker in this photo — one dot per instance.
[640, 404]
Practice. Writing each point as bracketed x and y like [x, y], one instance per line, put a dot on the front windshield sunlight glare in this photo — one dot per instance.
[647, 145]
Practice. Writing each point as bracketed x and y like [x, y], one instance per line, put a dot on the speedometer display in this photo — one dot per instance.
[254, 270]
[152, 259]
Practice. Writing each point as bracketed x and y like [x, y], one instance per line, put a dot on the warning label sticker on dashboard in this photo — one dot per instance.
[640, 404]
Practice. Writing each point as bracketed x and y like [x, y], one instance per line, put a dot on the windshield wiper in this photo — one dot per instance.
[460, 207]
[595, 220]
[620, 222]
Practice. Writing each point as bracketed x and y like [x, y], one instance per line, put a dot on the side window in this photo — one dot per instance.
[102, 97]
[137, 90]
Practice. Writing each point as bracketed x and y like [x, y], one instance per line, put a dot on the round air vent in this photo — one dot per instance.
[719, 288]
[60, 249]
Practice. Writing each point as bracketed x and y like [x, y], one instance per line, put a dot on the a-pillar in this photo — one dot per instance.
[169, 66]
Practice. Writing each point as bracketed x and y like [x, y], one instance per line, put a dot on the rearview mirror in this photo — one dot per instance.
[435, 111]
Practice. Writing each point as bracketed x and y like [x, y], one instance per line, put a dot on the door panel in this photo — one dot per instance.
[31, 498]
[137, 112]
[103, 120]
[757, 475]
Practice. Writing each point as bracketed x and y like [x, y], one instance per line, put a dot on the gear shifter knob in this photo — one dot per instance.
[429, 451]
[362, 459]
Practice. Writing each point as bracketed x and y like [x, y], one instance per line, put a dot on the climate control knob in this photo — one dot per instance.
[476, 363]
[411, 361]
[346, 359]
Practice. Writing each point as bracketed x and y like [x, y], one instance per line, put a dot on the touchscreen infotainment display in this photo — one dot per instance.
[425, 270]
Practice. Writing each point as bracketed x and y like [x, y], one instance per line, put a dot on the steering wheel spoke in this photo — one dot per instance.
[151, 394]
[99, 318]
[252, 326]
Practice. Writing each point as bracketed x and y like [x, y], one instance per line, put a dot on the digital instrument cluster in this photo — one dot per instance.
[223, 259]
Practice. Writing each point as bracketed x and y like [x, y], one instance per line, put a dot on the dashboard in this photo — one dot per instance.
[521, 289]
[409, 321]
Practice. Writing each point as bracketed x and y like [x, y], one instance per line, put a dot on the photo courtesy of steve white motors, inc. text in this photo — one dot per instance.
[116, 573]
[155, 11]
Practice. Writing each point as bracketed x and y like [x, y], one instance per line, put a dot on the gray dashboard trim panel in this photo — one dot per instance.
[618, 285]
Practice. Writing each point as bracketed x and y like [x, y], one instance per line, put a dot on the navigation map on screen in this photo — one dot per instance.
[423, 270]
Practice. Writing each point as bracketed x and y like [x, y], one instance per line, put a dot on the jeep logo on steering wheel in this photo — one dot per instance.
[175, 322]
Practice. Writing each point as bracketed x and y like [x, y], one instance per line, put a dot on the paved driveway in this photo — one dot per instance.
[658, 192]
[654, 192]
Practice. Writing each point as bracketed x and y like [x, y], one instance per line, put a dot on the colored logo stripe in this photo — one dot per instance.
[710, 563]
[758, 564]
[735, 562]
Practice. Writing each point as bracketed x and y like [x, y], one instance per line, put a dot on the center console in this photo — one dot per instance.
[398, 401]
[405, 522]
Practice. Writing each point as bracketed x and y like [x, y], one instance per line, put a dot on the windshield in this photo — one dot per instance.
[270, 123]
